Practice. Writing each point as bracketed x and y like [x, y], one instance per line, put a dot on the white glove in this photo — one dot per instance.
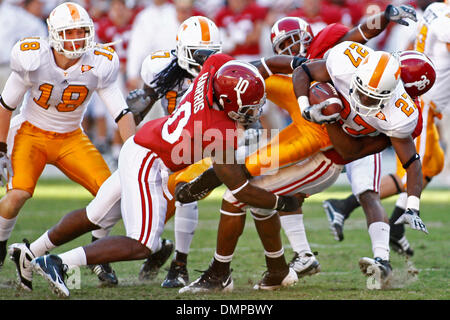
[314, 113]
[6, 170]
[411, 217]
[398, 14]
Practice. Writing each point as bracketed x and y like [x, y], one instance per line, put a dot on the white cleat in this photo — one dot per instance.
[21, 254]
[276, 280]
[305, 264]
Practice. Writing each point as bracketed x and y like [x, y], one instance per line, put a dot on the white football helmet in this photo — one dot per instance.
[68, 16]
[374, 83]
[196, 33]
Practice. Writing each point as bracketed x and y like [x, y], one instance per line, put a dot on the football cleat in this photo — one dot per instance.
[305, 264]
[21, 254]
[276, 280]
[335, 218]
[401, 246]
[210, 282]
[53, 270]
[377, 267]
[177, 277]
[105, 274]
[155, 261]
[3, 252]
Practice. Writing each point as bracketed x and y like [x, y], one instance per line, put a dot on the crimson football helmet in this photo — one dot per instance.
[297, 30]
[240, 91]
[418, 73]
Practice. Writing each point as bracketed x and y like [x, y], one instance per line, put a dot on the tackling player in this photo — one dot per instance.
[170, 143]
[56, 78]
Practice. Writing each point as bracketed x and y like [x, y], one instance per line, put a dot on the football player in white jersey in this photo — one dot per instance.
[164, 80]
[433, 40]
[56, 78]
[375, 102]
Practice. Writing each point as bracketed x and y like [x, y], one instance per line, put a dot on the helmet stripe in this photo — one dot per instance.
[206, 36]
[73, 11]
[379, 70]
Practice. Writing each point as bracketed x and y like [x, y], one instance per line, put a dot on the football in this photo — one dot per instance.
[321, 91]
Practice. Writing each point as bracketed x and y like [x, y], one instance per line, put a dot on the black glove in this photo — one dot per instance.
[398, 14]
[198, 188]
[287, 203]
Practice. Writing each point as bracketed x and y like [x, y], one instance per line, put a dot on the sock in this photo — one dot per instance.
[379, 236]
[275, 261]
[221, 264]
[74, 257]
[6, 227]
[294, 228]
[349, 204]
[186, 220]
[41, 245]
[398, 230]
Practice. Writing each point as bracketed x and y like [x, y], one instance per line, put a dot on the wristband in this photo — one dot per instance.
[297, 61]
[362, 33]
[303, 103]
[240, 188]
[263, 62]
[413, 202]
[276, 201]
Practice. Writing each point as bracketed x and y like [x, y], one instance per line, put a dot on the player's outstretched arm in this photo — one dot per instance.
[406, 152]
[278, 64]
[234, 177]
[351, 148]
[375, 24]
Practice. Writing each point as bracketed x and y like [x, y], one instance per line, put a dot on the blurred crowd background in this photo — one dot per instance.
[136, 28]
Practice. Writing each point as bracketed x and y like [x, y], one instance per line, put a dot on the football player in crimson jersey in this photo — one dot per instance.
[172, 143]
[431, 52]
[60, 74]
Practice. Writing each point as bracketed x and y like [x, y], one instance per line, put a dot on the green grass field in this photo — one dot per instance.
[340, 277]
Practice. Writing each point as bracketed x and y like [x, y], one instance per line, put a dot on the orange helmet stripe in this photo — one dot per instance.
[73, 12]
[379, 70]
[206, 36]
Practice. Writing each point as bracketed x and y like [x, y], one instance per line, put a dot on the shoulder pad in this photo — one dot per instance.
[106, 64]
[155, 63]
[26, 54]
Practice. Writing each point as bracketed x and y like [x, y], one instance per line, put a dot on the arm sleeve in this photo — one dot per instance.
[14, 90]
[113, 99]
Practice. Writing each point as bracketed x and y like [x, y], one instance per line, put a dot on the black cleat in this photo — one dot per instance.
[333, 209]
[152, 264]
[210, 282]
[21, 255]
[105, 274]
[54, 271]
[276, 280]
[401, 246]
[177, 277]
[3, 252]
